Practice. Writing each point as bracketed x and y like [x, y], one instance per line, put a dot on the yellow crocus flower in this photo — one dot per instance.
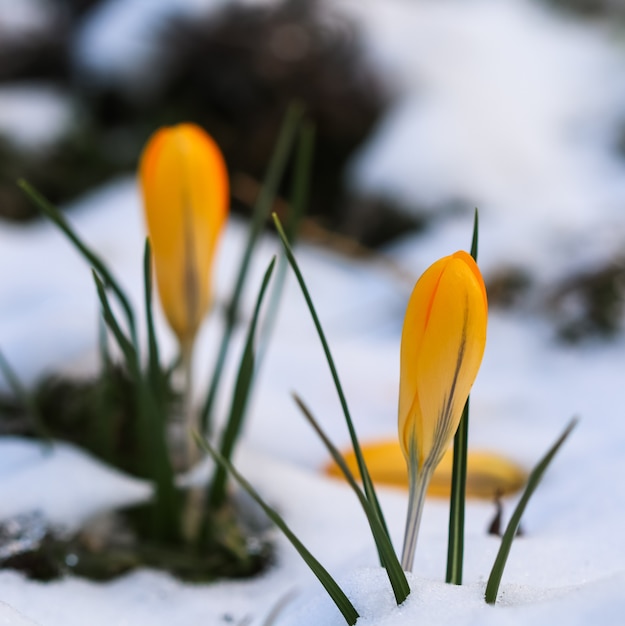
[184, 183]
[442, 346]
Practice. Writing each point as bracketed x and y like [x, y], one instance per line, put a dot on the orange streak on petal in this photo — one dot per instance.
[415, 323]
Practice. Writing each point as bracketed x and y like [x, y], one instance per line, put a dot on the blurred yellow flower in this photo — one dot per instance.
[442, 346]
[184, 182]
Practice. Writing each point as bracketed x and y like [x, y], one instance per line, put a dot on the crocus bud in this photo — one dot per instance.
[184, 183]
[442, 346]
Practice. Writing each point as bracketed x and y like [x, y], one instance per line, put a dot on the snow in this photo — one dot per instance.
[89, 487]
[447, 604]
[23, 19]
[504, 106]
[117, 44]
[34, 116]
[479, 114]
[499, 102]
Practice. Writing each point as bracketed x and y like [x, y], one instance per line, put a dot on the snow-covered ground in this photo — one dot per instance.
[500, 104]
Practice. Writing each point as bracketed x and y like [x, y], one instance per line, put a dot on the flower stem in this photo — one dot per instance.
[189, 415]
[417, 488]
[194, 499]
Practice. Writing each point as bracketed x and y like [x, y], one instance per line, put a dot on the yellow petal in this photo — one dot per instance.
[184, 183]
[442, 345]
[488, 473]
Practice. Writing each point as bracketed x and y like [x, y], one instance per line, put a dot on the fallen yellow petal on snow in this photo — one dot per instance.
[488, 473]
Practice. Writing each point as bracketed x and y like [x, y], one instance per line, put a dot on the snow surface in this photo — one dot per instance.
[117, 42]
[550, 192]
[507, 107]
[34, 116]
[24, 18]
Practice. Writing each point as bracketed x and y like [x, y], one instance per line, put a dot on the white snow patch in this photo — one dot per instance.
[119, 40]
[505, 106]
[24, 18]
[435, 603]
[34, 116]
[62, 482]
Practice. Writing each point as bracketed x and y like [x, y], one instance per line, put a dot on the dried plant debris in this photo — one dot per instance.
[592, 8]
[590, 303]
[22, 546]
[372, 221]
[112, 544]
[77, 8]
[508, 287]
[237, 73]
[41, 48]
[40, 52]
[78, 163]
[234, 73]
[495, 527]
[97, 414]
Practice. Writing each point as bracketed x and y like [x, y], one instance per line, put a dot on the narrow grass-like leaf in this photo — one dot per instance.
[26, 398]
[104, 431]
[50, 211]
[475, 237]
[364, 473]
[391, 563]
[165, 520]
[262, 208]
[455, 544]
[126, 345]
[131, 360]
[301, 179]
[150, 432]
[492, 587]
[240, 396]
[103, 345]
[155, 375]
[297, 209]
[334, 591]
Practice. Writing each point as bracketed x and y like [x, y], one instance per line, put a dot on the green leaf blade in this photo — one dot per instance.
[455, 545]
[55, 216]
[330, 585]
[126, 345]
[457, 498]
[364, 473]
[262, 209]
[155, 375]
[242, 388]
[299, 198]
[396, 575]
[150, 431]
[492, 587]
